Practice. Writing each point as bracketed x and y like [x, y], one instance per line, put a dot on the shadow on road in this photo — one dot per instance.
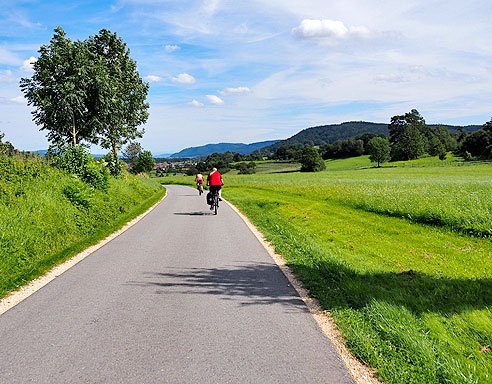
[254, 284]
[193, 213]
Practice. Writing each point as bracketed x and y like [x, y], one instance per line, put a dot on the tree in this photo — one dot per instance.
[409, 136]
[437, 148]
[131, 151]
[143, 163]
[246, 168]
[119, 97]
[379, 150]
[311, 160]
[478, 143]
[58, 90]
[6, 148]
[445, 137]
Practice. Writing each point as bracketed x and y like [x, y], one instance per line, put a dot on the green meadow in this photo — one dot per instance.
[48, 215]
[401, 257]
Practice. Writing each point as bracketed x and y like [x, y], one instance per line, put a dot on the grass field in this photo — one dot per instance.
[47, 215]
[400, 256]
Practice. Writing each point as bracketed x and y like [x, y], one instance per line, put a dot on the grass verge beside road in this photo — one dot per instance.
[42, 225]
[389, 253]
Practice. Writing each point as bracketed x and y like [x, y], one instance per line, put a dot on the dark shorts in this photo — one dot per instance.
[215, 188]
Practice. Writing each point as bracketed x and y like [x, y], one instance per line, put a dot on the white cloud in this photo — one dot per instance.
[7, 76]
[215, 100]
[153, 79]
[172, 48]
[195, 103]
[184, 78]
[328, 30]
[28, 65]
[18, 100]
[390, 78]
[235, 91]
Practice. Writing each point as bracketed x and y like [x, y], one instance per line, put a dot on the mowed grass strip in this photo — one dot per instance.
[413, 300]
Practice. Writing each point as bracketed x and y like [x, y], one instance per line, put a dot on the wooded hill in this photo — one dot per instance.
[205, 150]
[328, 134]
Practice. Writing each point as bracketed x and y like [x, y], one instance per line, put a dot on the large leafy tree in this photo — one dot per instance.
[409, 136]
[119, 100]
[311, 160]
[59, 90]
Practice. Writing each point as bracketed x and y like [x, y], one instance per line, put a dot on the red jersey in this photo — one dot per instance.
[214, 178]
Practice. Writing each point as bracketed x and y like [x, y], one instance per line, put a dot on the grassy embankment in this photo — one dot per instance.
[348, 232]
[47, 216]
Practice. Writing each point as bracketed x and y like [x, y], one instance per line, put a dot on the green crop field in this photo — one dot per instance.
[401, 257]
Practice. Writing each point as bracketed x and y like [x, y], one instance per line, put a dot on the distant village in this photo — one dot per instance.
[175, 166]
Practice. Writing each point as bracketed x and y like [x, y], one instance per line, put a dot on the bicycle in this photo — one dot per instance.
[200, 188]
[215, 201]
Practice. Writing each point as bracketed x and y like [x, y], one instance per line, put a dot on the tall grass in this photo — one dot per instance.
[47, 215]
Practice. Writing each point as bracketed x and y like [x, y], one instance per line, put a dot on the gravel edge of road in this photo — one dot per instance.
[360, 372]
[15, 297]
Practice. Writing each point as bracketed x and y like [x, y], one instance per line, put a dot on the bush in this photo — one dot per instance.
[78, 162]
[78, 195]
[114, 165]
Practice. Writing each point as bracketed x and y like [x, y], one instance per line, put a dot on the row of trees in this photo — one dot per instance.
[87, 92]
[356, 146]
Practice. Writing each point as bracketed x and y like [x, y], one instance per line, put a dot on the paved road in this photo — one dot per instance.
[182, 297]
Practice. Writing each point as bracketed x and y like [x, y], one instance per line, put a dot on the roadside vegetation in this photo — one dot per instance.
[399, 255]
[48, 214]
[82, 93]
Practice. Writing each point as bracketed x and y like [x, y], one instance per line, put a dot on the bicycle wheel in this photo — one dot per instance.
[216, 203]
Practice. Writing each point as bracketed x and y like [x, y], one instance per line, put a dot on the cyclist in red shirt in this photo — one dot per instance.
[199, 182]
[215, 183]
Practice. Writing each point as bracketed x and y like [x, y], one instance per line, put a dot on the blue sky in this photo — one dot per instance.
[255, 70]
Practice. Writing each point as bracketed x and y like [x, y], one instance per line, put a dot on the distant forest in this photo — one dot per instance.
[328, 134]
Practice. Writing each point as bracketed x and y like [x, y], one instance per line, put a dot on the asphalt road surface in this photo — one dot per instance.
[183, 296]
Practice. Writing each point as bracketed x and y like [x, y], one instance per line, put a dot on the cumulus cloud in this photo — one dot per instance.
[195, 103]
[18, 100]
[153, 79]
[184, 78]
[172, 48]
[28, 65]
[328, 30]
[235, 91]
[216, 100]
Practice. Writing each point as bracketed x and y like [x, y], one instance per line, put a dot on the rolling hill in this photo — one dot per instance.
[208, 149]
[328, 134]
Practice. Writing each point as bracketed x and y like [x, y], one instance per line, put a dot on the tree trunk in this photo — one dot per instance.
[74, 132]
[115, 150]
